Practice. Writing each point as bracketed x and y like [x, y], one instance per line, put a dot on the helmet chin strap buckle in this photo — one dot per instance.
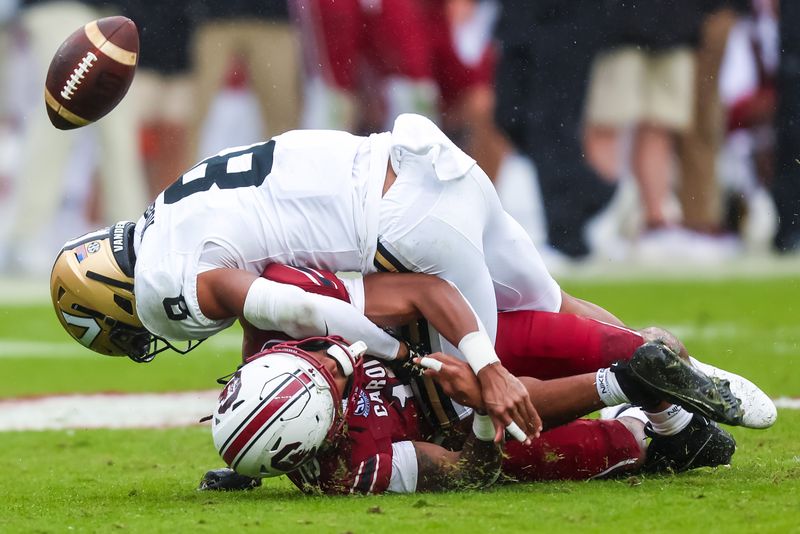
[346, 357]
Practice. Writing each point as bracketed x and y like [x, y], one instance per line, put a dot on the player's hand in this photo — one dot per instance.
[455, 377]
[507, 401]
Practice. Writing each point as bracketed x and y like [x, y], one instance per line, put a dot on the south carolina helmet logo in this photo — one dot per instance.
[228, 395]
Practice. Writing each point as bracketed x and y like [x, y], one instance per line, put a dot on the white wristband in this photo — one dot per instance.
[482, 427]
[478, 349]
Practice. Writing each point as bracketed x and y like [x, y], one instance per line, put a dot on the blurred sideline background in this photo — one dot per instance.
[649, 139]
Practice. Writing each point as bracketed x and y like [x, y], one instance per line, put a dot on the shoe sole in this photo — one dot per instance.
[676, 381]
[759, 410]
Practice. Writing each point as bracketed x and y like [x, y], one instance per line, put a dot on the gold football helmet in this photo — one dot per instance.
[92, 290]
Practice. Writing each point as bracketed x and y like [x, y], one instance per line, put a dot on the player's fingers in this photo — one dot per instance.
[517, 423]
[430, 363]
[516, 432]
[501, 420]
[499, 432]
[534, 420]
[530, 417]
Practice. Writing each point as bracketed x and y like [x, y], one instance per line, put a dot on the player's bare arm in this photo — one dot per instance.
[476, 466]
[393, 299]
[558, 400]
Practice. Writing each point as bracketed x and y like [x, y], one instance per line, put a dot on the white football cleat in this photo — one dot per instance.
[759, 410]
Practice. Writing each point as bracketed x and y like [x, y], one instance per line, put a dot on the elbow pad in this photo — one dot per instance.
[286, 308]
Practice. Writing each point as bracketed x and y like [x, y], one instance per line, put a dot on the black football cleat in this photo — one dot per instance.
[701, 444]
[656, 372]
[227, 479]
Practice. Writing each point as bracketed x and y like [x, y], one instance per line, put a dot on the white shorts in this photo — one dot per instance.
[458, 230]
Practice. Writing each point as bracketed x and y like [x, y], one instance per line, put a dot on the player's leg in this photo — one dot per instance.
[275, 75]
[579, 450]
[520, 277]
[397, 45]
[124, 185]
[549, 345]
[436, 228]
[702, 443]
[653, 374]
[679, 439]
[759, 410]
[332, 37]
[214, 46]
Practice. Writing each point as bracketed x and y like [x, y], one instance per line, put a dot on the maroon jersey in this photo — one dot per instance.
[389, 410]
[360, 461]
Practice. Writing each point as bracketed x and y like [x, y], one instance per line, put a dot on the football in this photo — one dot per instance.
[91, 72]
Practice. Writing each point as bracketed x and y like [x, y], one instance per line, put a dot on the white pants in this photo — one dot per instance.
[458, 230]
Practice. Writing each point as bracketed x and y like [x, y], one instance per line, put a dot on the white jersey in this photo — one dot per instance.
[306, 198]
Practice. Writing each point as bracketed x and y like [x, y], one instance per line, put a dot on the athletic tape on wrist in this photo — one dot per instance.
[478, 349]
[482, 427]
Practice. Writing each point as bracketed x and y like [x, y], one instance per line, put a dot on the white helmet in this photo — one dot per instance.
[281, 406]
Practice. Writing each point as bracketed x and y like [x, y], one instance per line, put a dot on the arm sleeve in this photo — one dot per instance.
[287, 308]
[342, 319]
[404, 468]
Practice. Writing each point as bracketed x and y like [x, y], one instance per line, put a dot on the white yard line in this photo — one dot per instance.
[107, 410]
[132, 410]
[788, 403]
[26, 348]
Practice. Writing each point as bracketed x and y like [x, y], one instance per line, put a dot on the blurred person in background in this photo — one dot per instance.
[786, 185]
[163, 88]
[464, 55]
[47, 152]
[366, 62]
[748, 94]
[8, 14]
[644, 83]
[257, 37]
[463, 60]
[8, 118]
[546, 52]
[699, 192]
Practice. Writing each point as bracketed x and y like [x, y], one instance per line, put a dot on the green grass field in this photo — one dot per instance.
[144, 480]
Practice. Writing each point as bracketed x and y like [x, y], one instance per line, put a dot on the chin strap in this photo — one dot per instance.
[155, 349]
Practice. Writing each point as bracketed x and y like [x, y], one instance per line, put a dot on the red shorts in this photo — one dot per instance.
[341, 35]
[453, 76]
[552, 345]
[579, 450]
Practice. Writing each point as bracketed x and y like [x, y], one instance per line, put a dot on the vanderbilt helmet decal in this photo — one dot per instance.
[90, 328]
